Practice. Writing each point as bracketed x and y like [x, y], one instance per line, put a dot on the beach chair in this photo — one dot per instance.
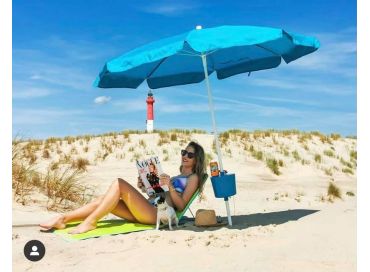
[180, 214]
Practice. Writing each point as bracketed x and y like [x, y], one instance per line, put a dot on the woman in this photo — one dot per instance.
[153, 178]
[125, 201]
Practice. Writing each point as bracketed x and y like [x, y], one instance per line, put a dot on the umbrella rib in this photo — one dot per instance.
[156, 67]
[188, 53]
[211, 52]
[267, 49]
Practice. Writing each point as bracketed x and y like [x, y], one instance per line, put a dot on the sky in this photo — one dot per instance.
[60, 47]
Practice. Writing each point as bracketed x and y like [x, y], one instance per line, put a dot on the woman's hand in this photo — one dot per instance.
[165, 180]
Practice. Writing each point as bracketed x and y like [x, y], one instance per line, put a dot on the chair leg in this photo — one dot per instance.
[191, 213]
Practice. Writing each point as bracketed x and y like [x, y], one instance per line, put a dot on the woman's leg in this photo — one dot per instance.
[60, 221]
[136, 203]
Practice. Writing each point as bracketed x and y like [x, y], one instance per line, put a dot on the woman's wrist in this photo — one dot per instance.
[171, 188]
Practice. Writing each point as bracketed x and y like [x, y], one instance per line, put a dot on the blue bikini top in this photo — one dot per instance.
[180, 182]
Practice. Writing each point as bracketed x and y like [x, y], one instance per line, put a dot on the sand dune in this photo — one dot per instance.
[282, 222]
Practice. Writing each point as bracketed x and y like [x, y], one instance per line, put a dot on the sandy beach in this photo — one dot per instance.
[282, 221]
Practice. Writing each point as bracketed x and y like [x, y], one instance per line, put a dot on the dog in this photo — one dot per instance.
[165, 213]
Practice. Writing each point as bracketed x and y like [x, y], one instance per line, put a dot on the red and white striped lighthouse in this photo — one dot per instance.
[150, 112]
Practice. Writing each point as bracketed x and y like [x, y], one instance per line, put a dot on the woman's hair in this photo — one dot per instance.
[199, 167]
[154, 167]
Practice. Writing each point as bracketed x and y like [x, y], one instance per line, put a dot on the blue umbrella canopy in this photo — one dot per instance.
[229, 50]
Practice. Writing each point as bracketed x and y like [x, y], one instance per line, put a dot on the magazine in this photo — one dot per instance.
[149, 172]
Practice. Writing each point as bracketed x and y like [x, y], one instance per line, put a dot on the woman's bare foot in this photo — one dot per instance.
[56, 223]
[82, 228]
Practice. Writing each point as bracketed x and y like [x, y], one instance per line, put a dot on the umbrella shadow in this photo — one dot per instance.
[258, 219]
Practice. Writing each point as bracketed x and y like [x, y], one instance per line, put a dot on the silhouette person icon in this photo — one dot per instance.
[34, 251]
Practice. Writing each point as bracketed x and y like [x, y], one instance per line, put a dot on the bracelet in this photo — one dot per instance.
[171, 188]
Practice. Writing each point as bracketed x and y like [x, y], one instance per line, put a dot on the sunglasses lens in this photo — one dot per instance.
[190, 154]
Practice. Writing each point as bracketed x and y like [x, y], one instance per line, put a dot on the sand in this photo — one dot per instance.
[280, 222]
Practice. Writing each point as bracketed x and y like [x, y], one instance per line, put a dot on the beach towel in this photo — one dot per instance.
[104, 227]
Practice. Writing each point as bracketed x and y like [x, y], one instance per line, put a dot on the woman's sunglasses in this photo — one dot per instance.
[185, 152]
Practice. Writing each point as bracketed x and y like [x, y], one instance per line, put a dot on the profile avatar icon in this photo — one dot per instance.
[34, 251]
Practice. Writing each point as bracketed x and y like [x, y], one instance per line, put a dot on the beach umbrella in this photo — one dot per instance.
[192, 56]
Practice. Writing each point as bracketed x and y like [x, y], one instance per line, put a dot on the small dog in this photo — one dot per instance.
[166, 213]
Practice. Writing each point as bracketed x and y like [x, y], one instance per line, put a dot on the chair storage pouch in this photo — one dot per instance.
[224, 185]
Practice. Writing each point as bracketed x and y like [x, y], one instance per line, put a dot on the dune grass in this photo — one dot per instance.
[54, 165]
[329, 153]
[347, 170]
[80, 164]
[136, 156]
[273, 165]
[306, 147]
[350, 193]
[73, 151]
[24, 177]
[173, 137]
[296, 155]
[334, 191]
[335, 136]
[46, 154]
[285, 152]
[257, 155]
[328, 171]
[166, 158]
[142, 143]
[345, 163]
[353, 154]
[163, 141]
[63, 189]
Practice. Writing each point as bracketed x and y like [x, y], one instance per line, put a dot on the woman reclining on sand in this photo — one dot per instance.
[123, 200]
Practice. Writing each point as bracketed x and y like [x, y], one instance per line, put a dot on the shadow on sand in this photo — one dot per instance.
[257, 219]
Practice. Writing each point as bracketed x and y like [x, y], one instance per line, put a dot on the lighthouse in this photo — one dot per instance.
[150, 112]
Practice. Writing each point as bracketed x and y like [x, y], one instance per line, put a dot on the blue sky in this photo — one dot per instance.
[60, 47]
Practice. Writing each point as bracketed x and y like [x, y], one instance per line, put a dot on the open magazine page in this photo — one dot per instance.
[149, 171]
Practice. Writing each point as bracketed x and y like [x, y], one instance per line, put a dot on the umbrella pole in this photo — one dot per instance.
[211, 107]
[210, 102]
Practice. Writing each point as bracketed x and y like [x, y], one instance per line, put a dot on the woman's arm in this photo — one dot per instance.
[179, 200]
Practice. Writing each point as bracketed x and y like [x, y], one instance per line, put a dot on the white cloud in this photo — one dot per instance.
[57, 74]
[100, 100]
[42, 116]
[35, 77]
[285, 100]
[31, 93]
[170, 8]
[310, 84]
[244, 107]
[130, 104]
[61, 63]
[183, 108]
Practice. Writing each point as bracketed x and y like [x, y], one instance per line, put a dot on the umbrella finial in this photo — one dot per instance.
[198, 27]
